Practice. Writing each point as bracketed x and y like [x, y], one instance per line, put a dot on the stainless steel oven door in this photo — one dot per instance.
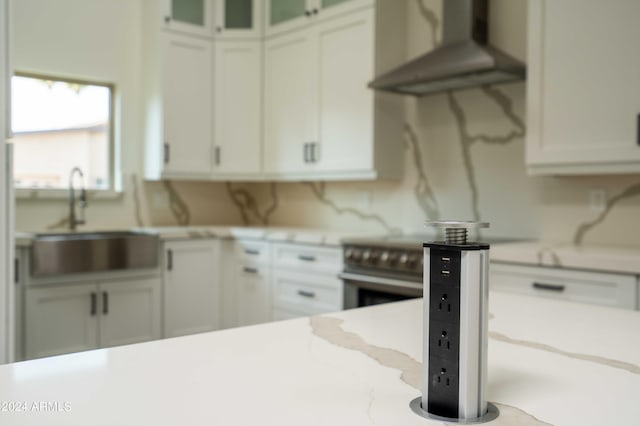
[366, 290]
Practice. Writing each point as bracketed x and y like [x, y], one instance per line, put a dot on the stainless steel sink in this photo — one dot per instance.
[75, 252]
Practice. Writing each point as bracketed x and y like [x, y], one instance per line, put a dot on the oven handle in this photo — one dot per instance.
[379, 280]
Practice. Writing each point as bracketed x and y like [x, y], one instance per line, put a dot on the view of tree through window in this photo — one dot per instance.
[59, 125]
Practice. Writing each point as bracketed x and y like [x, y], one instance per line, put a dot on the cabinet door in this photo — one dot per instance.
[308, 293]
[332, 8]
[583, 87]
[129, 311]
[191, 287]
[187, 106]
[189, 16]
[346, 56]
[60, 320]
[253, 296]
[291, 102]
[238, 19]
[286, 15]
[237, 101]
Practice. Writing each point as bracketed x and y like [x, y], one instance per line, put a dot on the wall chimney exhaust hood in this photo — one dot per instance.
[463, 60]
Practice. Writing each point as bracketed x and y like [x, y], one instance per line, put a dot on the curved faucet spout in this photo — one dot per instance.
[74, 221]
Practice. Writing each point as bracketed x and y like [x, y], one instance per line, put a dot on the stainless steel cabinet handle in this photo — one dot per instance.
[309, 294]
[305, 154]
[252, 252]
[105, 303]
[549, 287]
[307, 258]
[217, 155]
[250, 270]
[312, 152]
[169, 260]
[16, 270]
[94, 303]
[167, 151]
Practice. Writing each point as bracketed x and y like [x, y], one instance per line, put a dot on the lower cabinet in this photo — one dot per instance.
[247, 283]
[608, 289]
[253, 290]
[87, 315]
[305, 280]
[192, 295]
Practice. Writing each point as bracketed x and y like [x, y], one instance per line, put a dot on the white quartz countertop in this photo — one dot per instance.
[292, 235]
[559, 255]
[550, 362]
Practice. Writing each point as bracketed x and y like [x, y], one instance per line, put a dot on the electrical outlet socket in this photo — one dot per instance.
[597, 200]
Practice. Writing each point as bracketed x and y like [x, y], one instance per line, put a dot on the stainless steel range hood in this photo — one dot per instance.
[463, 60]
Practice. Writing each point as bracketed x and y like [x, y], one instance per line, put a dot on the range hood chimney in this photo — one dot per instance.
[463, 60]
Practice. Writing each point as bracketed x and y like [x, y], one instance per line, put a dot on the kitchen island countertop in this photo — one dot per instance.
[550, 362]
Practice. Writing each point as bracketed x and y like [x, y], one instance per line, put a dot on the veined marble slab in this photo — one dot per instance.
[596, 258]
[550, 362]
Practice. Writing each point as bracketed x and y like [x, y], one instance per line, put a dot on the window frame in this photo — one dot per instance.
[109, 193]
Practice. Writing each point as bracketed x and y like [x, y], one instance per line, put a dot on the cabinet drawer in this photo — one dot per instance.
[325, 260]
[307, 293]
[253, 251]
[577, 286]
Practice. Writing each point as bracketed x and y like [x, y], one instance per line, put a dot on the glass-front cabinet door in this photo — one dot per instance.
[285, 15]
[331, 8]
[238, 19]
[189, 16]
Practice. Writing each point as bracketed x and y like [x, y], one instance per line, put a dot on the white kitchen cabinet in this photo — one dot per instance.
[61, 319]
[253, 294]
[187, 103]
[194, 17]
[286, 15]
[321, 120]
[246, 287]
[616, 290]
[130, 311]
[290, 103]
[238, 19]
[583, 87]
[237, 107]
[97, 313]
[191, 283]
[305, 280]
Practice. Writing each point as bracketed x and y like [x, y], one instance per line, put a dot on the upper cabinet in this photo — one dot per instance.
[187, 109]
[583, 87]
[286, 15]
[237, 99]
[238, 19]
[232, 105]
[321, 119]
[193, 17]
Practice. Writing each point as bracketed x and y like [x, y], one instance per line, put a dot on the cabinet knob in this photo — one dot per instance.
[314, 11]
[307, 12]
[167, 19]
[219, 29]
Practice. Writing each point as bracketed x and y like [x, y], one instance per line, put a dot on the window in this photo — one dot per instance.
[60, 124]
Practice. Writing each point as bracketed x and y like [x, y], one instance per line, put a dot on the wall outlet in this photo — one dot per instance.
[597, 200]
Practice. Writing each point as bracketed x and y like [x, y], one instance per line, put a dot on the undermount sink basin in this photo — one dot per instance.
[76, 252]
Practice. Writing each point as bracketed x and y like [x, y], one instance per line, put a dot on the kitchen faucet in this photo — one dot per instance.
[82, 201]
